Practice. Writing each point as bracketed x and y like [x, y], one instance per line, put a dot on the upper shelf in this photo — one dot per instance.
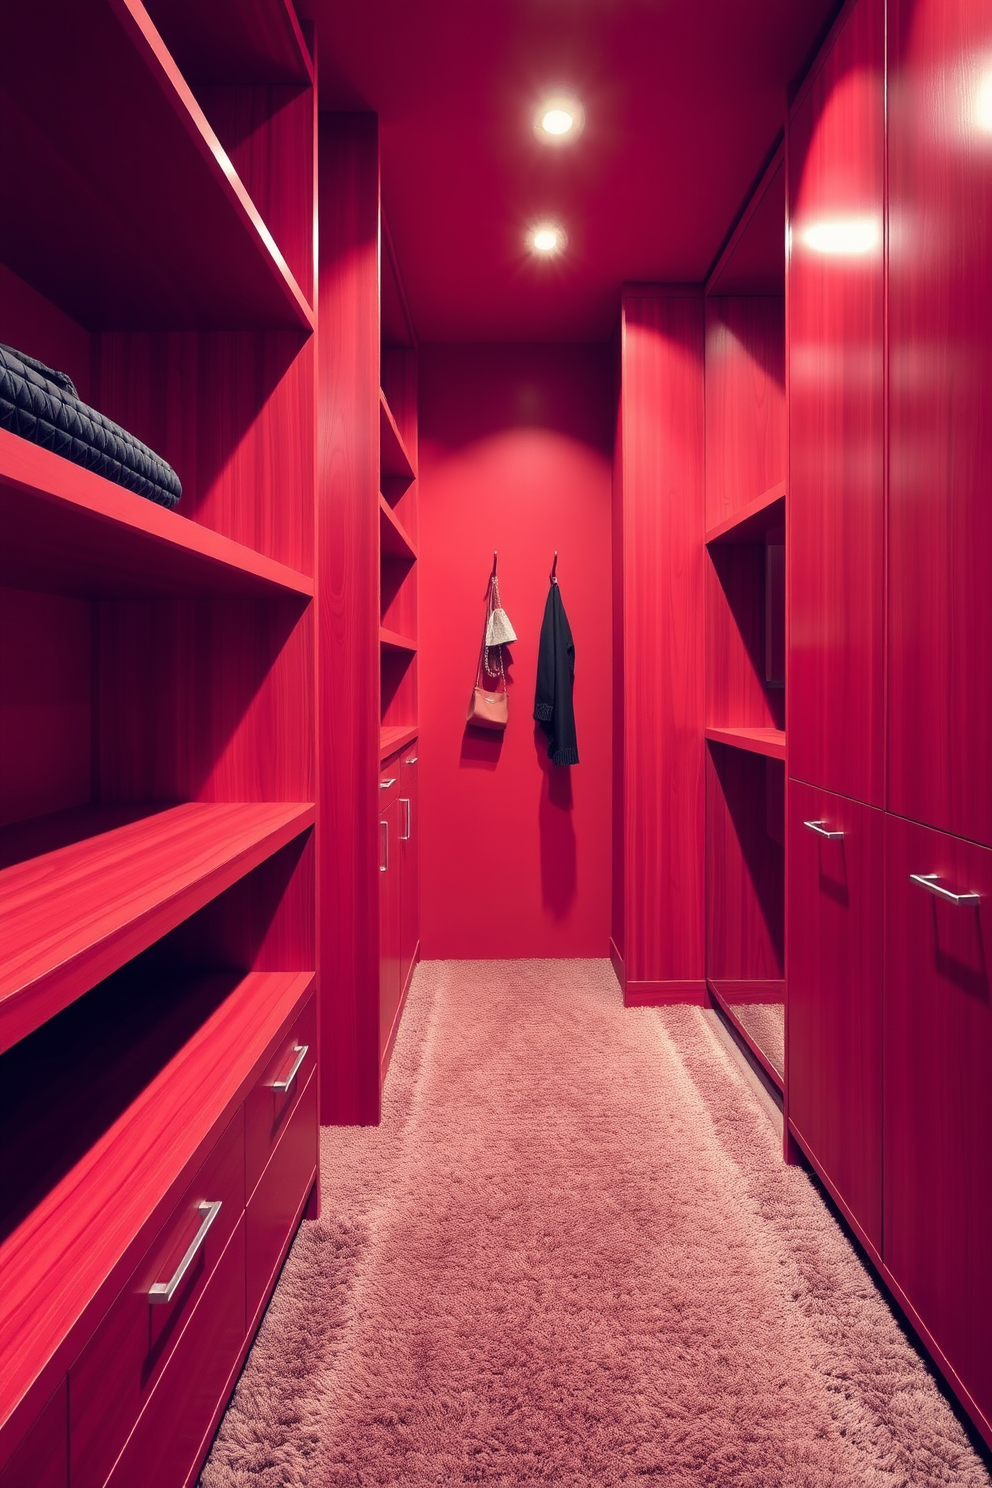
[394, 461]
[89, 889]
[393, 537]
[393, 737]
[232, 41]
[119, 202]
[391, 640]
[767, 741]
[754, 521]
[69, 531]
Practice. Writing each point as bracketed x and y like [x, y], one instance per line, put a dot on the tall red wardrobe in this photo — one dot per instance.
[889, 1094]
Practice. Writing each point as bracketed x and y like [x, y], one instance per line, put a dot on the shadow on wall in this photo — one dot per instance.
[559, 858]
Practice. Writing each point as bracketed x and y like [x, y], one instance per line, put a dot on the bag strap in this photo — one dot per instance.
[492, 601]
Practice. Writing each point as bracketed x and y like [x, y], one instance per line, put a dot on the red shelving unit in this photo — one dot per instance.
[767, 741]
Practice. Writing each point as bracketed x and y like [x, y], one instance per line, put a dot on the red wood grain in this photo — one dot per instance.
[394, 540]
[67, 1257]
[394, 459]
[234, 41]
[391, 818]
[409, 852]
[767, 741]
[268, 1111]
[42, 1459]
[745, 401]
[753, 521]
[393, 738]
[835, 567]
[834, 970]
[182, 245]
[745, 871]
[753, 262]
[348, 720]
[937, 1094]
[940, 433]
[663, 523]
[737, 695]
[75, 914]
[275, 1204]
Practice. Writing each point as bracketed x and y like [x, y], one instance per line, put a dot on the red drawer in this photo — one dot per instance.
[167, 1447]
[117, 1371]
[274, 1205]
[273, 1100]
[42, 1459]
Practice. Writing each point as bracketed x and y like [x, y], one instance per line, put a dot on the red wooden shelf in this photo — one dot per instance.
[393, 538]
[234, 41]
[395, 737]
[70, 1253]
[89, 889]
[394, 461]
[766, 741]
[750, 525]
[390, 641]
[116, 157]
[69, 531]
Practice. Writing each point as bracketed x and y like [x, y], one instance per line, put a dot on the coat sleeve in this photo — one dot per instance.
[544, 697]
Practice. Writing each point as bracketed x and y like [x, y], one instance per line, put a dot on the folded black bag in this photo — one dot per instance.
[40, 404]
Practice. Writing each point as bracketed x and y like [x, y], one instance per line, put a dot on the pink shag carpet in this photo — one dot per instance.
[571, 1255]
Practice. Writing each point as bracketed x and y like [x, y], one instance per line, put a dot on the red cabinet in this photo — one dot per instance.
[42, 1459]
[835, 526]
[409, 846]
[940, 429]
[390, 816]
[275, 1205]
[835, 995]
[938, 1092]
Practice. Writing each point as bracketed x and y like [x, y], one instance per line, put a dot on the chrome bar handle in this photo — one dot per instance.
[385, 784]
[405, 836]
[412, 760]
[929, 882]
[384, 860]
[301, 1051]
[164, 1291]
[822, 831]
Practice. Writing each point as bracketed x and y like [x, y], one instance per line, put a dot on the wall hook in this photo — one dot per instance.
[494, 565]
[554, 570]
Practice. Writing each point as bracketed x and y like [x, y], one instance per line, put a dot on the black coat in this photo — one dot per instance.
[555, 677]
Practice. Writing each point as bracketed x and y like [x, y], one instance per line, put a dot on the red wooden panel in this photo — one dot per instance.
[767, 741]
[940, 432]
[268, 1110]
[42, 1458]
[834, 971]
[32, 323]
[938, 1095]
[391, 817]
[745, 870]
[618, 816]
[276, 1204]
[67, 1252]
[736, 691]
[179, 245]
[173, 1434]
[409, 862]
[835, 288]
[664, 580]
[348, 717]
[234, 40]
[111, 1382]
[745, 400]
[45, 718]
[73, 915]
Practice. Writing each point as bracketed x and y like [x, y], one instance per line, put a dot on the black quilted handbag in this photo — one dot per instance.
[40, 404]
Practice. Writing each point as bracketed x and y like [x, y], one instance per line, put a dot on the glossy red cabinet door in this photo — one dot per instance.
[280, 1192]
[835, 351]
[42, 1459]
[834, 981]
[940, 415]
[391, 813]
[938, 1093]
[409, 862]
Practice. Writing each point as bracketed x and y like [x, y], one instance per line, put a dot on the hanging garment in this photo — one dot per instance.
[553, 706]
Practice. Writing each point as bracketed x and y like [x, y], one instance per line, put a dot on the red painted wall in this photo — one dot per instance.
[515, 455]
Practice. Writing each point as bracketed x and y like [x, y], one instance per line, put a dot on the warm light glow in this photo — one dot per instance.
[558, 121]
[983, 104]
[547, 239]
[848, 236]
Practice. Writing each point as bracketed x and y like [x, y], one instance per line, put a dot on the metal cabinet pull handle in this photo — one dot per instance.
[822, 831]
[929, 882]
[384, 864]
[412, 760]
[405, 836]
[385, 784]
[164, 1291]
[301, 1051]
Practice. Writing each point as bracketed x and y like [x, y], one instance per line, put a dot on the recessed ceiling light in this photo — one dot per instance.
[547, 238]
[558, 120]
[845, 236]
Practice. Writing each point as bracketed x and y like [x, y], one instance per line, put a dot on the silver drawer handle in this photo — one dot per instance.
[405, 836]
[385, 784]
[929, 882]
[822, 831]
[384, 861]
[412, 760]
[301, 1052]
[164, 1291]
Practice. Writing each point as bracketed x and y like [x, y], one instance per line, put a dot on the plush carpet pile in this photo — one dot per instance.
[571, 1255]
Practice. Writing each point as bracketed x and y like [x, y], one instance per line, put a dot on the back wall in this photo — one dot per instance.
[515, 455]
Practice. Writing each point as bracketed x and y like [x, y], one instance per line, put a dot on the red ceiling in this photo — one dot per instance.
[684, 100]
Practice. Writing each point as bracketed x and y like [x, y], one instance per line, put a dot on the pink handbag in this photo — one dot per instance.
[490, 706]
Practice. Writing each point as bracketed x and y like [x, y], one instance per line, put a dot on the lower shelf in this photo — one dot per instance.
[86, 890]
[393, 737]
[767, 741]
[113, 1106]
